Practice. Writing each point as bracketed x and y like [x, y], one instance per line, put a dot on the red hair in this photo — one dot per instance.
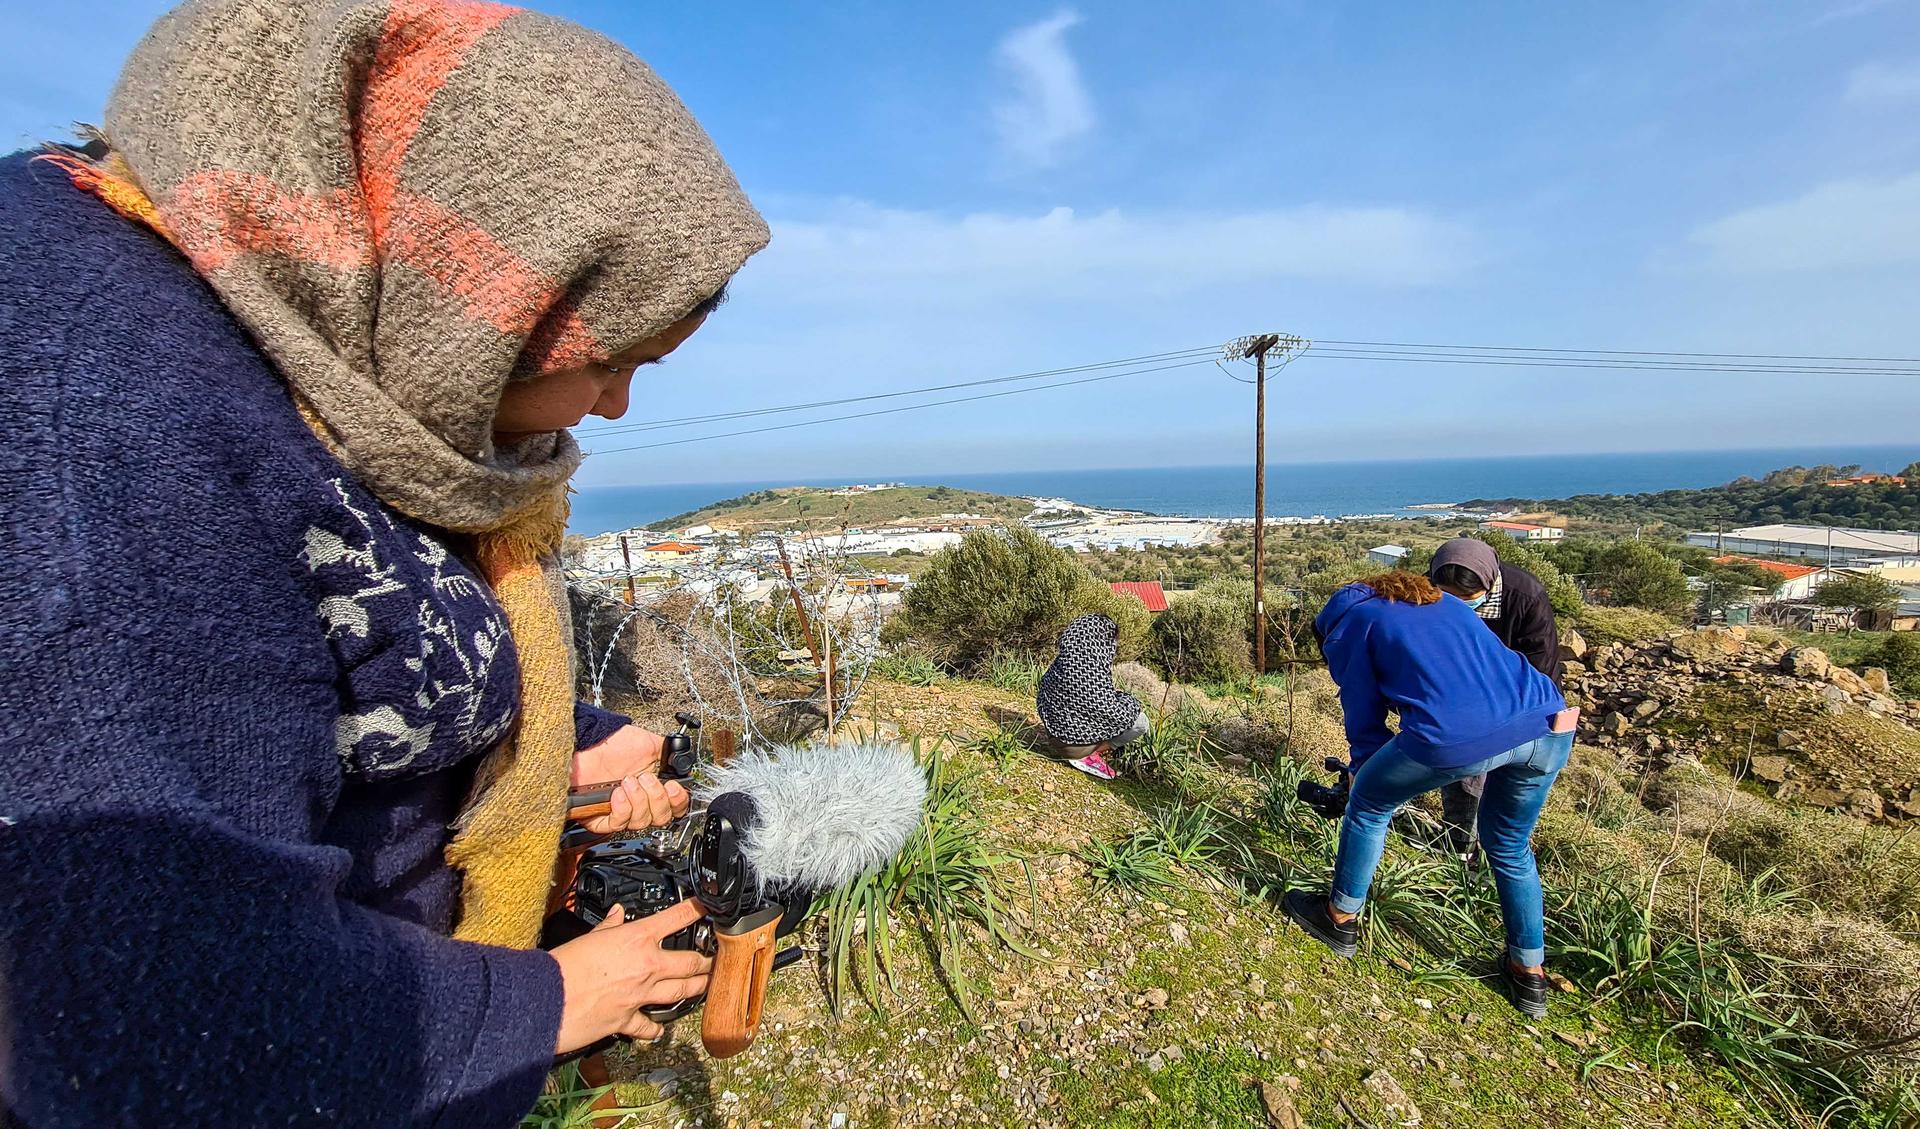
[1406, 587]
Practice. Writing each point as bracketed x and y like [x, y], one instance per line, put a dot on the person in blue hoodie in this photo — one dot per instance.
[1467, 706]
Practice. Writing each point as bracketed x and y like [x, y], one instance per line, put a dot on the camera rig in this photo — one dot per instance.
[698, 856]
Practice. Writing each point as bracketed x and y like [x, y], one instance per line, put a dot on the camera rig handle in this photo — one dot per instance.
[677, 762]
[743, 958]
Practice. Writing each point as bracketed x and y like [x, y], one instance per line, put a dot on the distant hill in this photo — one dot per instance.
[806, 507]
[1791, 494]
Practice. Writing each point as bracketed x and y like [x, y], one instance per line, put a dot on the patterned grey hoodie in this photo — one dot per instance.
[1077, 702]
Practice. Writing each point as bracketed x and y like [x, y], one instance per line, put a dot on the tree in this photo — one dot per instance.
[1736, 582]
[1861, 590]
[1637, 574]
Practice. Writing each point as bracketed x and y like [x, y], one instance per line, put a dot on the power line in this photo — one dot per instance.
[904, 408]
[1626, 352]
[684, 421]
[1376, 351]
[1574, 362]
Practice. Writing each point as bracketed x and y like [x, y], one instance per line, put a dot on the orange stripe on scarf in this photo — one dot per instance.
[420, 45]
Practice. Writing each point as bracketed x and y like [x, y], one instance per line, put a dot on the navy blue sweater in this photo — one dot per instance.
[242, 702]
[1461, 694]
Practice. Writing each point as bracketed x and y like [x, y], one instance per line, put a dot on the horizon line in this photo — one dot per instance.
[858, 479]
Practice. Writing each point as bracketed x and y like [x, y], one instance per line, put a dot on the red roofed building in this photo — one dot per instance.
[1797, 581]
[669, 551]
[1147, 592]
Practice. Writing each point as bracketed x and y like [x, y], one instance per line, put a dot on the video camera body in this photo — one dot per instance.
[1329, 801]
[698, 856]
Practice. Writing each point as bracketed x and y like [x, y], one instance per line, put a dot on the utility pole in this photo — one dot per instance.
[627, 557]
[1257, 347]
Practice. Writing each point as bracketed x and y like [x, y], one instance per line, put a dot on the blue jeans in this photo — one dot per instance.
[1517, 784]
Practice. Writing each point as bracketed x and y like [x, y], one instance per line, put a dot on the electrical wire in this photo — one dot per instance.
[904, 408]
[1626, 352]
[1572, 362]
[1518, 356]
[684, 421]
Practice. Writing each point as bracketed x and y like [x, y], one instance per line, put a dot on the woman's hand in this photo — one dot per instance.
[608, 975]
[631, 756]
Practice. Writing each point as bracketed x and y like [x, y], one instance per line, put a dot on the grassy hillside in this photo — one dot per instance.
[1160, 986]
[1792, 494]
[806, 507]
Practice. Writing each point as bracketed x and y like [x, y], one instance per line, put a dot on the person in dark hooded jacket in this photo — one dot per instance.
[1078, 702]
[1513, 604]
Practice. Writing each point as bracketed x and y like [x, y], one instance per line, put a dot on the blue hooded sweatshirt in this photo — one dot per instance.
[1462, 695]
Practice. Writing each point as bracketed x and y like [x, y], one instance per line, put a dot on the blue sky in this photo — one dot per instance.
[970, 191]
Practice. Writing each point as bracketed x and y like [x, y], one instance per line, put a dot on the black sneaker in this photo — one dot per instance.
[1310, 911]
[1527, 991]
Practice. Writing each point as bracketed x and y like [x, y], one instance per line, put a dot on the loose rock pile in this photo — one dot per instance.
[1643, 702]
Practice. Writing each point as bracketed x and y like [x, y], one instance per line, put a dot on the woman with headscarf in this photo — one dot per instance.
[289, 356]
[1077, 701]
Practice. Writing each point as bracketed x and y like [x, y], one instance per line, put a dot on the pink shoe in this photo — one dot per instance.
[1094, 766]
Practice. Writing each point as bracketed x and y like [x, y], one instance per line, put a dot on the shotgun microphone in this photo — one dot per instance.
[818, 816]
[779, 821]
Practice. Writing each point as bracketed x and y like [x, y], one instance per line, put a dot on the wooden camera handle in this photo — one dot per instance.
[742, 961]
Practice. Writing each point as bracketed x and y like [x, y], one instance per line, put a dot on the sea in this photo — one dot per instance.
[1331, 489]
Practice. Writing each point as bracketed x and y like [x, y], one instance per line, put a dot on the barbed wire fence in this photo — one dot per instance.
[773, 638]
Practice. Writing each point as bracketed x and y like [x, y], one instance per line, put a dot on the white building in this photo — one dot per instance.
[1388, 555]
[1525, 531]
[1810, 542]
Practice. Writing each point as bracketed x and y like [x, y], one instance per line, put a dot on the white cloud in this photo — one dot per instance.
[1838, 225]
[1048, 107]
[1872, 82]
[857, 251]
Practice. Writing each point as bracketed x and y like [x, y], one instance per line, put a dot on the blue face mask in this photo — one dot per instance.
[1476, 601]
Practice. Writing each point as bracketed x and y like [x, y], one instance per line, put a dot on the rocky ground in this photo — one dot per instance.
[1202, 1005]
[1785, 718]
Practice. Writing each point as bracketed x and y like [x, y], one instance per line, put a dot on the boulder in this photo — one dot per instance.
[1806, 662]
[1708, 643]
[1646, 709]
[1770, 770]
[1847, 680]
[1865, 804]
[1877, 681]
[1615, 724]
[1573, 646]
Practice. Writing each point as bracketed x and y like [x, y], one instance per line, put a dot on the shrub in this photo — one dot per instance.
[1203, 639]
[949, 880]
[1900, 655]
[1637, 574]
[913, 670]
[1127, 613]
[1007, 593]
[1620, 625]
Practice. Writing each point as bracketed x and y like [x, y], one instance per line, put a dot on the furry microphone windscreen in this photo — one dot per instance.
[826, 813]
